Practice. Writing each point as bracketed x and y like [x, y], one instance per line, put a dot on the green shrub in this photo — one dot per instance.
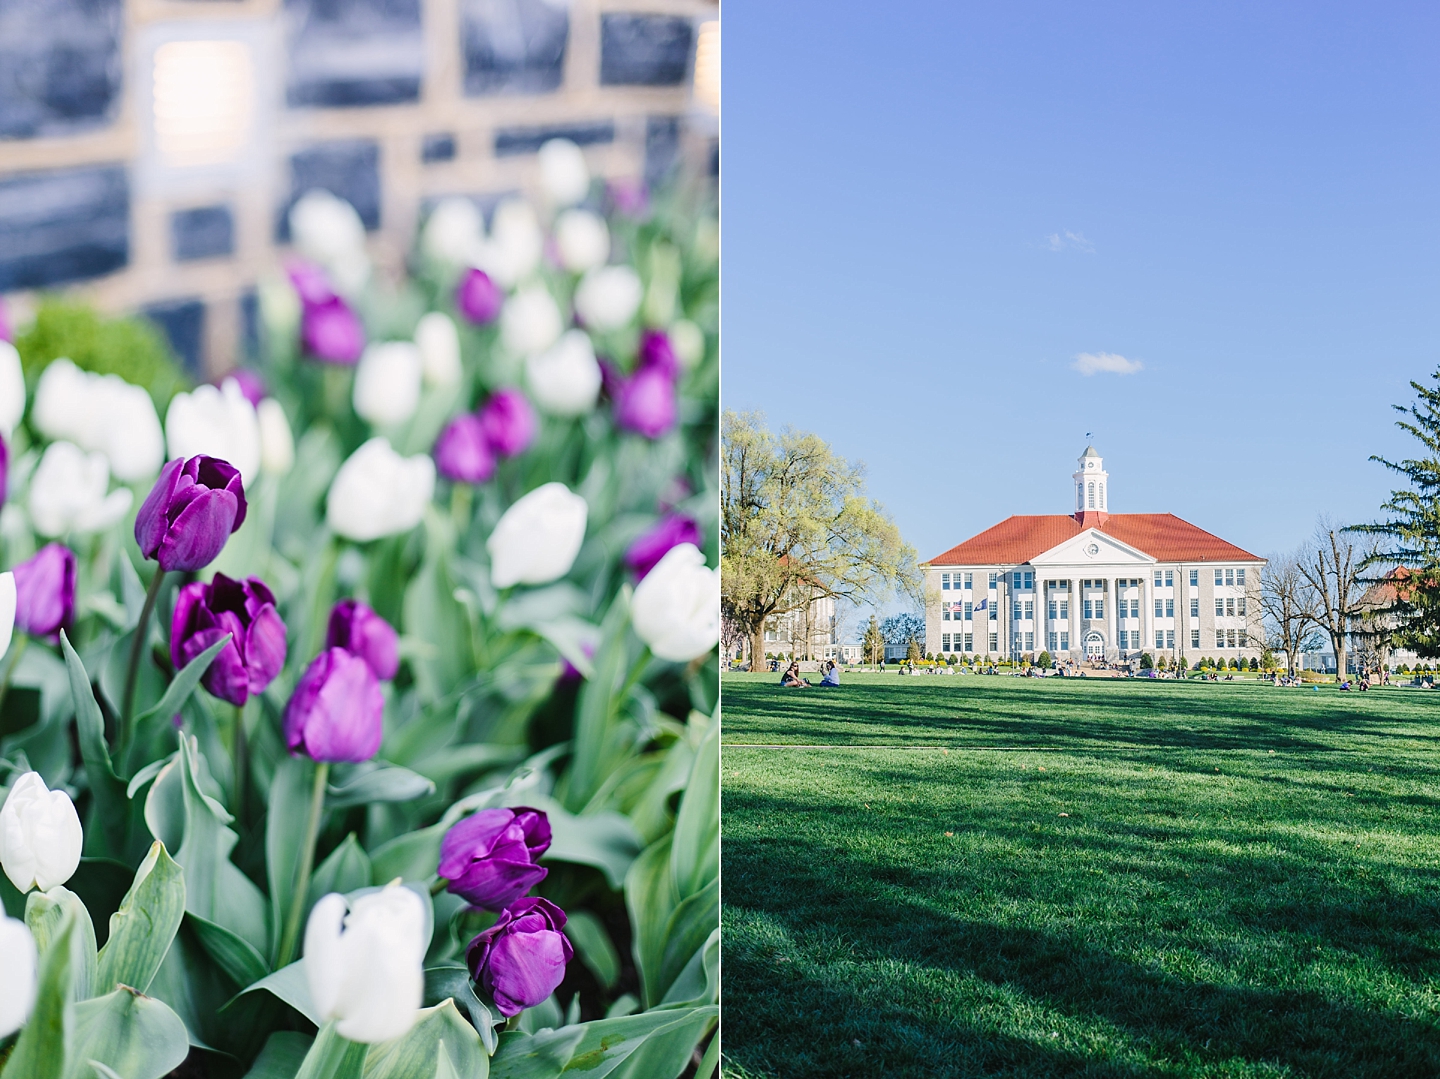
[1146, 663]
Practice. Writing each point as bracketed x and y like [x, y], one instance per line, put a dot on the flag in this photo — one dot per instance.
[981, 605]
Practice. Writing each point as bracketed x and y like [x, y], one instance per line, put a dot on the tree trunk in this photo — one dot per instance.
[757, 647]
[1338, 642]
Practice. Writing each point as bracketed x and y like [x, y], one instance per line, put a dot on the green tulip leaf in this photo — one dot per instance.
[377, 782]
[137, 1036]
[413, 856]
[40, 1050]
[452, 981]
[650, 897]
[695, 850]
[686, 931]
[45, 914]
[699, 983]
[417, 1052]
[346, 869]
[282, 1056]
[184, 683]
[606, 840]
[112, 808]
[333, 1057]
[289, 984]
[142, 929]
[232, 953]
[603, 1047]
[288, 806]
[593, 946]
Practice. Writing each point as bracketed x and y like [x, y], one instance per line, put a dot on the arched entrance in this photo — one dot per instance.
[1094, 645]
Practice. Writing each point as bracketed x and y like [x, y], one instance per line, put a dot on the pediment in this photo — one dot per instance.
[1093, 548]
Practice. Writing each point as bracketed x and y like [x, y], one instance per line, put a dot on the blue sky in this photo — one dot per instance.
[931, 209]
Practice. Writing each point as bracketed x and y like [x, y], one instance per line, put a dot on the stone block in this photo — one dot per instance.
[346, 53]
[439, 147]
[510, 141]
[645, 50]
[513, 46]
[349, 169]
[183, 322]
[63, 225]
[202, 233]
[59, 65]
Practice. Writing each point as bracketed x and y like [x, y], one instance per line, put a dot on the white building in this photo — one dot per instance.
[808, 632]
[1095, 585]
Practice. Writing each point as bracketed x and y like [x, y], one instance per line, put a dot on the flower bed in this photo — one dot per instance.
[362, 718]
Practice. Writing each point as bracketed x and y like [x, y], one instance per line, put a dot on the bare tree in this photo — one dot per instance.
[1332, 568]
[1288, 604]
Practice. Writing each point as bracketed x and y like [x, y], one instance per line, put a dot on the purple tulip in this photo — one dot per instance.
[361, 632]
[190, 512]
[479, 298]
[331, 331]
[630, 198]
[671, 531]
[4, 471]
[337, 710]
[489, 857]
[250, 383]
[45, 592]
[246, 611]
[645, 403]
[7, 333]
[520, 960]
[462, 452]
[571, 673]
[656, 353]
[509, 422]
[311, 284]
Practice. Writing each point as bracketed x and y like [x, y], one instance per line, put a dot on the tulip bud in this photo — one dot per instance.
[657, 354]
[530, 321]
[379, 493]
[327, 230]
[452, 231]
[645, 403]
[7, 331]
[439, 345]
[565, 379]
[387, 383]
[100, 412]
[19, 962]
[607, 298]
[216, 423]
[252, 386]
[337, 710]
[331, 332]
[7, 610]
[365, 970]
[361, 632]
[12, 388]
[508, 422]
[582, 240]
[45, 592]
[537, 539]
[489, 857]
[520, 960]
[689, 343]
[277, 444]
[190, 512]
[246, 611]
[68, 492]
[516, 242]
[463, 453]
[563, 173]
[478, 298]
[629, 198]
[40, 835]
[676, 608]
[670, 531]
[4, 471]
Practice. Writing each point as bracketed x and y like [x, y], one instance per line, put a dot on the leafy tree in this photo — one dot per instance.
[903, 630]
[1267, 659]
[874, 641]
[1045, 661]
[796, 525]
[1146, 663]
[1234, 664]
[913, 654]
[1162, 663]
[1184, 664]
[1254, 664]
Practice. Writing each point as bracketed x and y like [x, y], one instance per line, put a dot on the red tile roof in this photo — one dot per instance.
[1163, 536]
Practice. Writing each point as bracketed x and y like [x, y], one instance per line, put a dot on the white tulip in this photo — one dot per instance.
[439, 344]
[19, 962]
[7, 610]
[537, 539]
[40, 836]
[366, 970]
[12, 388]
[379, 493]
[676, 608]
[564, 380]
[218, 423]
[516, 239]
[608, 298]
[583, 240]
[688, 341]
[563, 172]
[530, 321]
[452, 231]
[68, 492]
[101, 412]
[277, 444]
[387, 383]
[327, 230]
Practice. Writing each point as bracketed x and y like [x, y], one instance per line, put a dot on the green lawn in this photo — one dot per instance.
[1080, 878]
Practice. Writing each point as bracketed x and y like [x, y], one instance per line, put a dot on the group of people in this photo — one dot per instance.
[792, 678]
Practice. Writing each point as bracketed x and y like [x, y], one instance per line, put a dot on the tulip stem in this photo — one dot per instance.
[438, 886]
[237, 802]
[16, 648]
[137, 649]
[291, 936]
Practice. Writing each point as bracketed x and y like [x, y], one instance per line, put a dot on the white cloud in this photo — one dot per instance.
[1069, 241]
[1109, 363]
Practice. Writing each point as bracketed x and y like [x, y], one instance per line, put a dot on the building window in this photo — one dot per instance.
[1064, 641]
[945, 614]
[1029, 608]
[1087, 609]
[1099, 608]
[1244, 639]
[1194, 638]
[1194, 608]
[1017, 610]
[1065, 609]
[1054, 640]
[1240, 576]
[1124, 639]
[1018, 578]
[1159, 608]
[1157, 578]
[1219, 607]
[1030, 579]
[969, 611]
[1219, 577]
[1219, 638]
[1090, 498]
[945, 581]
[994, 579]
[994, 642]
[946, 638]
[968, 638]
[1159, 639]
[1240, 606]
[1194, 578]
[1053, 608]
[969, 580]
[1170, 639]
[1230, 576]
[1029, 640]
[1230, 606]
[1169, 608]
[1169, 578]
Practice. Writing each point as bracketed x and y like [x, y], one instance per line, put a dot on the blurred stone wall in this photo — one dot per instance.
[389, 103]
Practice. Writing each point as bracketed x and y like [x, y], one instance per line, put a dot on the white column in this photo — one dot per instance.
[1112, 618]
[1147, 610]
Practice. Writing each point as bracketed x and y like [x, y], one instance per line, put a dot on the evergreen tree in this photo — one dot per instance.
[1410, 534]
[1045, 661]
[1146, 663]
[874, 641]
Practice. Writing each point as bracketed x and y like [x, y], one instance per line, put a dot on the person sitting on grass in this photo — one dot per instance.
[791, 678]
[832, 675]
